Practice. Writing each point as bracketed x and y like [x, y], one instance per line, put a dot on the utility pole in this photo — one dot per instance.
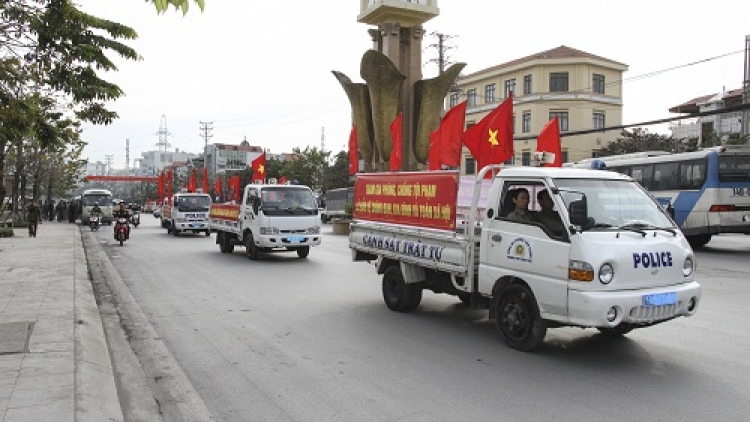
[163, 134]
[127, 154]
[206, 128]
[443, 59]
[109, 159]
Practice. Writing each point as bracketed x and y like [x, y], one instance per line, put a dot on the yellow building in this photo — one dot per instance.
[582, 89]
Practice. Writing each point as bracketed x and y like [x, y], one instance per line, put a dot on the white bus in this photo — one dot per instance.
[706, 192]
[92, 196]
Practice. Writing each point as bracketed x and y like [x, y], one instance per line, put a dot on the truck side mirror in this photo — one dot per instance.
[578, 212]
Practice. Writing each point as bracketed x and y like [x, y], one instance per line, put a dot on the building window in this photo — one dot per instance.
[526, 158]
[598, 83]
[562, 117]
[470, 165]
[558, 82]
[471, 96]
[598, 120]
[510, 87]
[454, 99]
[526, 123]
[565, 156]
[489, 93]
[526, 84]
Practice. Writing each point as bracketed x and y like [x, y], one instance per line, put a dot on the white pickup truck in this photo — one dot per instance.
[617, 261]
[270, 218]
[186, 212]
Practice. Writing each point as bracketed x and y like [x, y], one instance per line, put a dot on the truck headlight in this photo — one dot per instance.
[313, 230]
[687, 267]
[606, 274]
[269, 230]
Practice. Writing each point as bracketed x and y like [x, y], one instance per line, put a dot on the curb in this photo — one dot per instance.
[96, 397]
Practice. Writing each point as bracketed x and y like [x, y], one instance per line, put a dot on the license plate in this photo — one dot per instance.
[660, 299]
[295, 238]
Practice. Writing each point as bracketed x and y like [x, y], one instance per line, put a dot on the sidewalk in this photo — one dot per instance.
[54, 359]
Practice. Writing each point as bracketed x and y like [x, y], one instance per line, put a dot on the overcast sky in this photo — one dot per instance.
[261, 70]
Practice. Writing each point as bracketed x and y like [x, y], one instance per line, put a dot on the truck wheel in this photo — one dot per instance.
[398, 295]
[208, 232]
[518, 319]
[303, 252]
[226, 243]
[323, 218]
[175, 232]
[250, 249]
[220, 241]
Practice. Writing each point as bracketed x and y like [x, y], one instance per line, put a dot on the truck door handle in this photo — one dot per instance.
[496, 238]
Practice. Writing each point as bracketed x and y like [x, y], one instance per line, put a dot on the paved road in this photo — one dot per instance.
[285, 339]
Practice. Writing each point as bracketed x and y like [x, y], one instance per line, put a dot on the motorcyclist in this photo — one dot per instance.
[96, 211]
[122, 212]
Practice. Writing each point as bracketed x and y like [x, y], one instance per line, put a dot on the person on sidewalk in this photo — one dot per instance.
[72, 208]
[60, 211]
[33, 215]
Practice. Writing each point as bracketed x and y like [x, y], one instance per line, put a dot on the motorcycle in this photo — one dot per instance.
[121, 230]
[94, 222]
[135, 219]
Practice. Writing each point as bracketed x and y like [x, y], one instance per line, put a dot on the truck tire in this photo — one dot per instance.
[226, 241]
[303, 252]
[398, 295]
[518, 318]
[323, 218]
[698, 241]
[175, 232]
[208, 232]
[250, 249]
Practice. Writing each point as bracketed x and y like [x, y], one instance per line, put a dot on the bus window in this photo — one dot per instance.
[665, 176]
[734, 168]
[692, 174]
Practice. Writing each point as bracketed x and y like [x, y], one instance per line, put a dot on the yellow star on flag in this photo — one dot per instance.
[261, 169]
[493, 137]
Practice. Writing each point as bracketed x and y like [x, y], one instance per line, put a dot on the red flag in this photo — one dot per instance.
[491, 140]
[217, 188]
[434, 151]
[259, 169]
[451, 129]
[169, 187]
[193, 181]
[283, 180]
[205, 180]
[353, 152]
[397, 137]
[234, 184]
[160, 186]
[549, 141]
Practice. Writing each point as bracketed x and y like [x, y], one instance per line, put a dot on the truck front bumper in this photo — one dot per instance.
[191, 226]
[287, 241]
[596, 309]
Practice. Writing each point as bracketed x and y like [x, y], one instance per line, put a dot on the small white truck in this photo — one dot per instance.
[616, 262]
[186, 212]
[269, 218]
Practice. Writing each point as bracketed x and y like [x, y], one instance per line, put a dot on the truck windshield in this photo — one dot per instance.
[193, 203]
[619, 204]
[287, 200]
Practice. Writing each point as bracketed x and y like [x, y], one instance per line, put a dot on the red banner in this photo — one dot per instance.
[225, 211]
[424, 199]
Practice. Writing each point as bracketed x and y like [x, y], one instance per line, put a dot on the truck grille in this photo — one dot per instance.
[643, 314]
[292, 231]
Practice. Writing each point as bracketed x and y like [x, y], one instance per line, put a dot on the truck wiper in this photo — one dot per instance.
[652, 227]
[634, 227]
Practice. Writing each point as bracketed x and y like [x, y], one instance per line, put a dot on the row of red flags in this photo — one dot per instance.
[258, 166]
[490, 141]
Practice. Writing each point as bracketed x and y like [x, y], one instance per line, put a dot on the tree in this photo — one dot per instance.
[640, 140]
[162, 5]
[338, 174]
[308, 168]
